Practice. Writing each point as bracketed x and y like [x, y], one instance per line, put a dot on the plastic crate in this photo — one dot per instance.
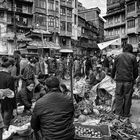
[103, 129]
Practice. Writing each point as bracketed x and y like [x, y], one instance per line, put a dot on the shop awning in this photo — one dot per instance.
[66, 51]
[111, 42]
[20, 37]
[43, 45]
[51, 45]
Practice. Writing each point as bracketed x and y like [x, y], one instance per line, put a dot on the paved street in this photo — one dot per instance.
[135, 111]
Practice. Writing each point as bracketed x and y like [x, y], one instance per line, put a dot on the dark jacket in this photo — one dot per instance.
[53, 115]
[106, 63]
[28, 73]
[24, 97]
[125, 68]
[7, 81]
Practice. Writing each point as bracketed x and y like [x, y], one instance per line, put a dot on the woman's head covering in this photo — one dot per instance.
[52, 82]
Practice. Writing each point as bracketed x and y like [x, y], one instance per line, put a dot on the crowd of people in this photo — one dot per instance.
[30, 78]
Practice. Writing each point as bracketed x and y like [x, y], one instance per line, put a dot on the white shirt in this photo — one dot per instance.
[46, 68]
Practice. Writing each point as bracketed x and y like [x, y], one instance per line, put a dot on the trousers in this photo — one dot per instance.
[7, 117]
[123, 98]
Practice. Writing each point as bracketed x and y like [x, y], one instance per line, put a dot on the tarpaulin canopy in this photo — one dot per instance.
[111, 42]
[66, 51]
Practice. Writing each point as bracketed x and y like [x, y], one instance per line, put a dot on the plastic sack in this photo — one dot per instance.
[106, 84]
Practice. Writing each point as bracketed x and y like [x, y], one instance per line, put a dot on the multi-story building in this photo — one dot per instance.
[115, 26]
[87, 37]
[93, 15]
[68, 22]
[15, 21]
[123, 21]
[133, 22]
[56, 21]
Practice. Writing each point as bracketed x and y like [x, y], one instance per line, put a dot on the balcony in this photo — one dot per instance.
[69, 4]
[24, 11]
[63, 18]
[40, 10]
[66, 4]
[69, 34]
[19, 24]
[65, 33]
[69, 19]
[107, 26]
[131, 14]
[111, 6]
[51, 12]
[131, 30]
[107, 38]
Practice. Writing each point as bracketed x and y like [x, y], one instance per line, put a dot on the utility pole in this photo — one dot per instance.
[14, 21]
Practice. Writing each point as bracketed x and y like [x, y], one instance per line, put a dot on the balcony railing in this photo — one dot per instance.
[131, 30]
[31, 1]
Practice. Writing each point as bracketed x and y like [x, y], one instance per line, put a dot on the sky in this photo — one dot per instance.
[95, 3]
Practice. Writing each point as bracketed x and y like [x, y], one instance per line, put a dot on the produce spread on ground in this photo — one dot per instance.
[93, 115]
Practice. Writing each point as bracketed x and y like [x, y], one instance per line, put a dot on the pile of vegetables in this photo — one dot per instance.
[87, 132]
[21, 120]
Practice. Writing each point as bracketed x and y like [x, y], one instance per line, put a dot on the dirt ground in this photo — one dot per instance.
[135, 111]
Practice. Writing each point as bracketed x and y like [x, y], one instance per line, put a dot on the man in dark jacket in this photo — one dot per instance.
[125, 72]
[8, 105]
[53, 114]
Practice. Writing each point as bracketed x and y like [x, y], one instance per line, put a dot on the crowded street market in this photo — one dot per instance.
[69, 69]
[67, 98]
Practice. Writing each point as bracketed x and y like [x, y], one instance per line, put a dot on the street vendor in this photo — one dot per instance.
[25, 96]
[53, 114]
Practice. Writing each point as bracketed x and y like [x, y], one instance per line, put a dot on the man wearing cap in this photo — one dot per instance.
[53, 114]
[125, 72]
